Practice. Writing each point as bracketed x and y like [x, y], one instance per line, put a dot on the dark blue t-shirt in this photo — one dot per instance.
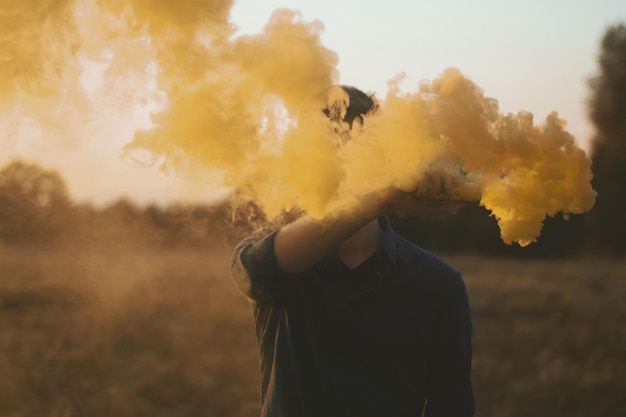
[380, 340]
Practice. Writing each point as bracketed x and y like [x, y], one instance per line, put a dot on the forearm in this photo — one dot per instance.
[302, 243]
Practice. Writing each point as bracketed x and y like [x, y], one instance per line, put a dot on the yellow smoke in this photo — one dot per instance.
[526, 172]
[244, 111]
[39, 70]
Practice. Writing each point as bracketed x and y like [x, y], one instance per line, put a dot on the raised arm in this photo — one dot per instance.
[302, 243]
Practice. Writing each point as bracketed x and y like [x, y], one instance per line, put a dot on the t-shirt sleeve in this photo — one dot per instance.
[449, 378]
[255, 271]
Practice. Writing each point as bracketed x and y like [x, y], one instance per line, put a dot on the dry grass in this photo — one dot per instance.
[122, 332]
[550, 336]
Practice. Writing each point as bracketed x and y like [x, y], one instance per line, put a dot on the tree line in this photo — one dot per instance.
[35, 208]
[36, 211]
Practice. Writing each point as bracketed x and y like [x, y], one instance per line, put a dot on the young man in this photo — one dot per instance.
[352, 320]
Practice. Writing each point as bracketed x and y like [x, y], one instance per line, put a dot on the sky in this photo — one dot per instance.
[534, 56]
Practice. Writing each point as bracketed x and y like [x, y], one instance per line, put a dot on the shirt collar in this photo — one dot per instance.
[388, 247]
[388, 244]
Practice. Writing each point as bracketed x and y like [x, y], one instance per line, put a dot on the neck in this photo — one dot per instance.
[361, 245]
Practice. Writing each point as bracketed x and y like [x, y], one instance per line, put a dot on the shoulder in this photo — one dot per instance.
[254, 247]
[443, 284]
[427, 265]
[410, 252]
[255, 270]
[407, 255]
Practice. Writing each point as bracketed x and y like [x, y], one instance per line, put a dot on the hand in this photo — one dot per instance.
[414, 203]
[441, 192]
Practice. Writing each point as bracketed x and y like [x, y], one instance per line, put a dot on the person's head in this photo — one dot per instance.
[347, 104]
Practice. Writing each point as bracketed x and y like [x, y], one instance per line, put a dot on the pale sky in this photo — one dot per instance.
[529, 55]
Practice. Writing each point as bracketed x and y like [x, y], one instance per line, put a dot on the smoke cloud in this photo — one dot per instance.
[245, 111]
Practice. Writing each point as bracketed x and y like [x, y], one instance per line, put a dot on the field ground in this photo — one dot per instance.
[121, 332]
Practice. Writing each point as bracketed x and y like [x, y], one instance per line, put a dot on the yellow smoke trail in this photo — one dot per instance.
[244, 112]
[526, 172]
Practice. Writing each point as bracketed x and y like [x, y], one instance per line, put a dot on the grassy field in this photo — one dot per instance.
[144, 332]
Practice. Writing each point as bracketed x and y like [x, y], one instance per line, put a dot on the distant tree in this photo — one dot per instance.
[34, 203]
[607, 109]
[123, 223]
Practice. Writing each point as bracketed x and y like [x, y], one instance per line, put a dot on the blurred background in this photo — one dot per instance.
[128, 310]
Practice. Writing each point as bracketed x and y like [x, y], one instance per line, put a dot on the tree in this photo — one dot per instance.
[33, 203]
[607, 109]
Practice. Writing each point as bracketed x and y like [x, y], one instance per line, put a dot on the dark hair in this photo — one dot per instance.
[359, 104]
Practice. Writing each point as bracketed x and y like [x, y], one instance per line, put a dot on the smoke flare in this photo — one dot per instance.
[245, 111]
